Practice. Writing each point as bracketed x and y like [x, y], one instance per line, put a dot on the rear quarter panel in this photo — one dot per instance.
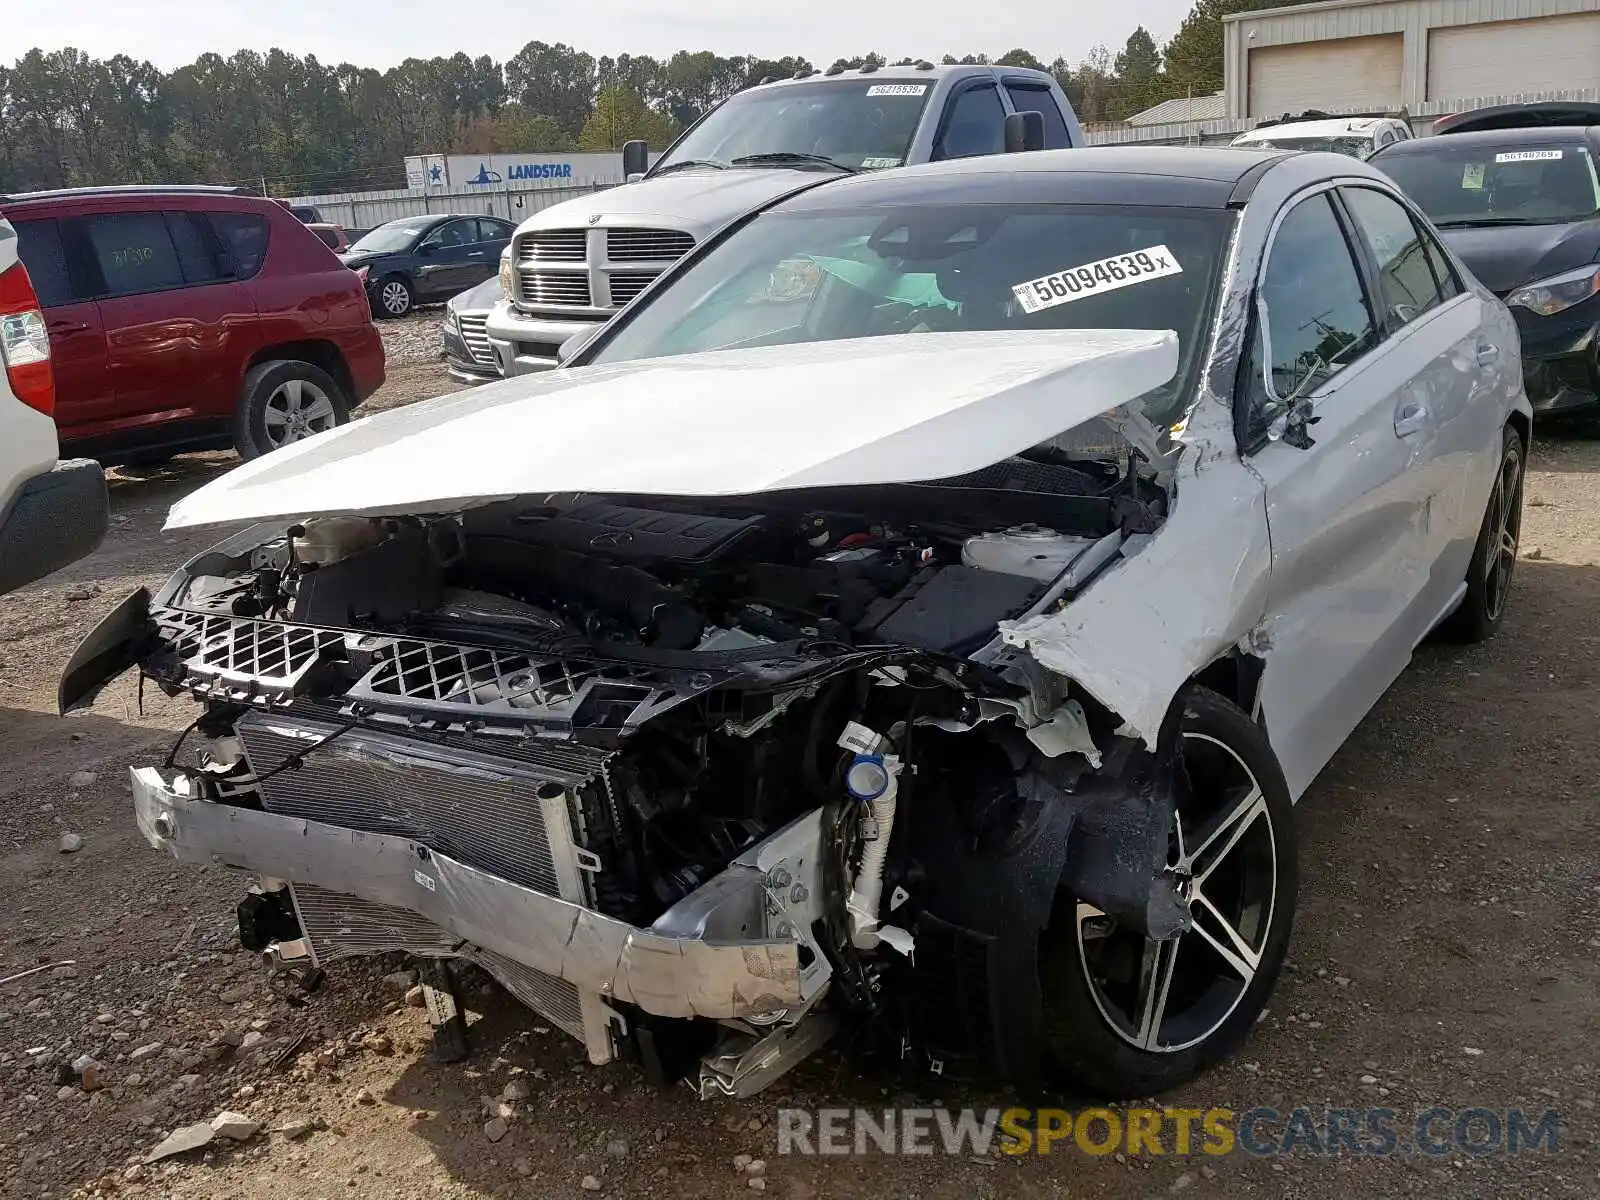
[27, 438]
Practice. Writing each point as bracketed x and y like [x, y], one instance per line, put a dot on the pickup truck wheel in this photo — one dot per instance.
[283, 401]
[1129, 1017]
[393, 297]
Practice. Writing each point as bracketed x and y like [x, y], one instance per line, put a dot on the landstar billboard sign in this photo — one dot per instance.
[463, 172]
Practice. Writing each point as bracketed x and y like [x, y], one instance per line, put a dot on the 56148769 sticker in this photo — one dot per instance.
[1107, 275]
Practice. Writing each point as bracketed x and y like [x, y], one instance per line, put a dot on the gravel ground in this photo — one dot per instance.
[413, 339]
[1444, 953]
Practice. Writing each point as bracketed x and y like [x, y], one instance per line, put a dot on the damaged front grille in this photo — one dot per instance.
[269, 663]
[492, 813]
[341, 926]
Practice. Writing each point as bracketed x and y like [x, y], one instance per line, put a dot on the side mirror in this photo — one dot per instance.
[569, 348]
[1024, 131]
[635, 159]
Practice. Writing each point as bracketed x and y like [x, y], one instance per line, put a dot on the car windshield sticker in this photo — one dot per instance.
[1472, 177]
[1528, 156]
[1107, 275]
[877, 164]
[898, 89]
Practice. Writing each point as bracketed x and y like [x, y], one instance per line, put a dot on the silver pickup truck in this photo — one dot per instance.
[571, 266]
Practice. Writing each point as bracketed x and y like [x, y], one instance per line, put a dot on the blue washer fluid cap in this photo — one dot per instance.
[867, 778]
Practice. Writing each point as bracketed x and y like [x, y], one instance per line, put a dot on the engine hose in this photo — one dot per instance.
[881, 775]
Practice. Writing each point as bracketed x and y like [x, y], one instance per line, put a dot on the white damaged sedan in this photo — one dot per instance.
[920, 610]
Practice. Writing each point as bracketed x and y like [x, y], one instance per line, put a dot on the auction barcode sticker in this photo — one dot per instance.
[1528, 156]
[898, 89]
[1107, 275]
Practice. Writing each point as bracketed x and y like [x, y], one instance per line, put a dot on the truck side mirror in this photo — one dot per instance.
[1024, 131]
[635, 158]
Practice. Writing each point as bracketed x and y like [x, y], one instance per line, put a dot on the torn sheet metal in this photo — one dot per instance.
[1151, 622]
[664, 974]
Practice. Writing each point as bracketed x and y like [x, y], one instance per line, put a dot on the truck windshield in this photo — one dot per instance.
[788, 278]
[860, 123]
[1514, 182]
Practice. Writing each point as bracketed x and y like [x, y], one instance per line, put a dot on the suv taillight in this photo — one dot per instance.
[24, 342]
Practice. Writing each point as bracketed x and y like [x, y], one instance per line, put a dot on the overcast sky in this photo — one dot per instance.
[380, 33]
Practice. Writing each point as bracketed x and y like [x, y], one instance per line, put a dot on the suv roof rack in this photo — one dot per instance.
[128, 189]
[1542, 114]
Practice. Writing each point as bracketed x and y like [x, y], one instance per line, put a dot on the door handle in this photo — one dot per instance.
[1488, 354]
[1409, 418]
[475, 254]
[67, 326]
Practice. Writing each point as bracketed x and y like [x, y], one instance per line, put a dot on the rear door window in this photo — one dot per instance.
[134, 252]
[198, 253]
[244, 241]
[40, 246]
[1026, 97]
[493, 231]
[1406, 282]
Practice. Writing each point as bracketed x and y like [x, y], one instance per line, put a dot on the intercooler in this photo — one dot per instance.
[508, 814]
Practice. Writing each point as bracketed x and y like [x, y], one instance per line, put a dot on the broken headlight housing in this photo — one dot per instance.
[1558, 293]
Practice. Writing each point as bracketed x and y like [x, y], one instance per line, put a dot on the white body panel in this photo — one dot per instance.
[27, 438]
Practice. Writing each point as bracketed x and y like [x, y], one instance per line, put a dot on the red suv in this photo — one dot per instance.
[192, 318]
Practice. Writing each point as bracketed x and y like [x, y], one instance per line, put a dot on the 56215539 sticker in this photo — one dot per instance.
[898, 89]
[1107, 275]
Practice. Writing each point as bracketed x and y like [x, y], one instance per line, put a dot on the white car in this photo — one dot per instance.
[925, 608]
[51, 513]
[1361, 137]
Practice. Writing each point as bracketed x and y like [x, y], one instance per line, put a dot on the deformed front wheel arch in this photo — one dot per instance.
[1128, 1016]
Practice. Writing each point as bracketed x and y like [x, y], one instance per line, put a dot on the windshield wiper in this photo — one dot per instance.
[781, 157]
[1483, 222]
[689, 162]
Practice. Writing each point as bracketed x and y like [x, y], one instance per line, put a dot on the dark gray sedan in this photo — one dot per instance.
[417, 260]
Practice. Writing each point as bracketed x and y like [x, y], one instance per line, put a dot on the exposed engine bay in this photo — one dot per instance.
[788, 720]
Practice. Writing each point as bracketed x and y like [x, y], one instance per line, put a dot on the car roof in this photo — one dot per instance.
[1541, 135]
[910, 73]
[1160, 176]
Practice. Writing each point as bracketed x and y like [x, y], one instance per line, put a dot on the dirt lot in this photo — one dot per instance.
[1445, 953]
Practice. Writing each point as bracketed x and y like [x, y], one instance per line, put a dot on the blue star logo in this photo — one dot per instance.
[436, 172]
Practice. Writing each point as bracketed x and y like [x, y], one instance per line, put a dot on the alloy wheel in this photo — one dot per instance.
[1505, 526]
[394, 298]
[1164, 997]
[297, 408]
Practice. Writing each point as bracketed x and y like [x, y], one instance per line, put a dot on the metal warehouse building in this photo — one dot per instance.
[1421, 55]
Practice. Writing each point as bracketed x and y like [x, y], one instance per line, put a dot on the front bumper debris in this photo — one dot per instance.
[672, 969]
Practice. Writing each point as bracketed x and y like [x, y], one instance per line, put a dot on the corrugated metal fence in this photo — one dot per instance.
[364, 210]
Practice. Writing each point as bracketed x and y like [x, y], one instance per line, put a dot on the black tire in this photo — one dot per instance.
[393, 297]
[1081, 955]
[267, 395]
[1494, 558]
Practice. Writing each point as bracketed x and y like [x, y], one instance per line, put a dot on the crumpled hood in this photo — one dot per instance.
[1505, 257]
[880, 410]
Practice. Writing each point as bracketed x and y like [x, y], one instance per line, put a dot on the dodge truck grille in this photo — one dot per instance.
[625, 285]
[553, 245]
[341, 926]
[559, 289]
[490, 812]
[647, 245]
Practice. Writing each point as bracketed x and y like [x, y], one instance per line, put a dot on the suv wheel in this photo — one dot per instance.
[393, 297]
[284, 401]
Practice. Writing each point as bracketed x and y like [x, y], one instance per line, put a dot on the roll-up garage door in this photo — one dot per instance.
[1507, 58]
[1347, 73]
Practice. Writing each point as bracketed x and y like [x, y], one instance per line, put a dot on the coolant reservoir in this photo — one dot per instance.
[328, 540]
[1029, 550]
